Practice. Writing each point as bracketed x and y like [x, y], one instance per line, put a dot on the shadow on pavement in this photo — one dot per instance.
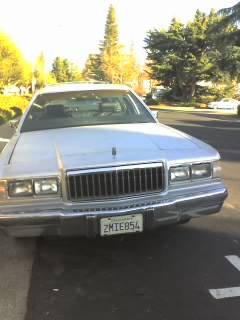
[226, 139]
[162, 275]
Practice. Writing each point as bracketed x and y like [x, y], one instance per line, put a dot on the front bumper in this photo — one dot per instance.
[67, 221]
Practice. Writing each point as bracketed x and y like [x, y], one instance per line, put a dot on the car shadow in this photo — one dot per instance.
[225, 137]
[163, 274]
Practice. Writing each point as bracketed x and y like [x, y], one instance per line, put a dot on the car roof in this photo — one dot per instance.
[69, 87]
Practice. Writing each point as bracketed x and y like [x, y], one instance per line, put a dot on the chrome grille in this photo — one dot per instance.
[114, 182]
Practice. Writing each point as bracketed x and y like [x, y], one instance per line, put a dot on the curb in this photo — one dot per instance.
[191, 109]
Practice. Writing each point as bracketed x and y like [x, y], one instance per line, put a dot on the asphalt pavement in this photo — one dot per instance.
[16, 258]
[166, 274]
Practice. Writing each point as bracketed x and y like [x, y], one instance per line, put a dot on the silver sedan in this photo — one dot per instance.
[92, 160]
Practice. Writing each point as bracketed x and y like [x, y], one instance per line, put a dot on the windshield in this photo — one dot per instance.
[84, 108]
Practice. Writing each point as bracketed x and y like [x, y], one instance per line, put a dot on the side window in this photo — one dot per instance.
[141, 110]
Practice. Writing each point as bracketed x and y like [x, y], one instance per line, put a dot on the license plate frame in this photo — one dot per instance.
[122, 224]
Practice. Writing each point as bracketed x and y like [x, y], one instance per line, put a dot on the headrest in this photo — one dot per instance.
[56, 110]
[110, 107]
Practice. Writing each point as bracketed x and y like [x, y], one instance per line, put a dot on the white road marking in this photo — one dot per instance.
[4, 140]
[225, 293]
[235, 261]
[228, 292]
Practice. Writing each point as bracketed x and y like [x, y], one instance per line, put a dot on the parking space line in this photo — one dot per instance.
[228, 292]
[234, 260]
[4, 140]
[225, 293]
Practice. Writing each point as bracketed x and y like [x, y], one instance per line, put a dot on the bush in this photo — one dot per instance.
[206, 95]
[150, 101]
[200, 105]
[12, 106]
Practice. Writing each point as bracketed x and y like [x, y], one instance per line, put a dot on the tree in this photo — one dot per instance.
[129, 69]
[65, 71]
[57, 70]
[228, 61]
[180, 56]
[112, 63]
[228, 42]
[92, 69]
[231, 14]
[12, 64]
[110, 49]
[39, 72]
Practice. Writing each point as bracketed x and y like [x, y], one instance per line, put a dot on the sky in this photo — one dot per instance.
[73, 28]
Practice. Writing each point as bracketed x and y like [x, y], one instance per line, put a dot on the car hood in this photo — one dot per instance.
[44, 152]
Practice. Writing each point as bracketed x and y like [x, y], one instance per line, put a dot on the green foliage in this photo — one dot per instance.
[65, 71]
[111, 36]
[231, 15]
[180, 56]
[12, 106]
[230, 61]
[92, 69]
[216, 92]
[12, 65]
[149, 100]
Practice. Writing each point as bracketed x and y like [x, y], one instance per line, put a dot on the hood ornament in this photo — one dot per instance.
[114, 151]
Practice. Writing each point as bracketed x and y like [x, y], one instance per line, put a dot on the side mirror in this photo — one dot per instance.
[14, 123]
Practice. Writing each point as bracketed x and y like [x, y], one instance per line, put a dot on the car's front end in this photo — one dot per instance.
[106, 179]
[75, 211]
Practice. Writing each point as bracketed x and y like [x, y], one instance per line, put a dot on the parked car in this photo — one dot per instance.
[226, 104]
[92, 160]
[158, 93]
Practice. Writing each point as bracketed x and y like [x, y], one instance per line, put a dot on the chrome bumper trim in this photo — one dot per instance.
[60, 221]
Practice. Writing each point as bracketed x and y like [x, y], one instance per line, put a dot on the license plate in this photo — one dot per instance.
[121, 224]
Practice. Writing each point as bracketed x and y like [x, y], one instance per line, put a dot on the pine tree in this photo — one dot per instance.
[92, 69]
[112, 63]
[57, 69]
[110, 49]
[65, 71]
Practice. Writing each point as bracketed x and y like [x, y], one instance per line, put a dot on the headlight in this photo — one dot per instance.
[3, 189]
[180, 173]
[201, 171]
[46, 186]
[217, 169]
[20, 188]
